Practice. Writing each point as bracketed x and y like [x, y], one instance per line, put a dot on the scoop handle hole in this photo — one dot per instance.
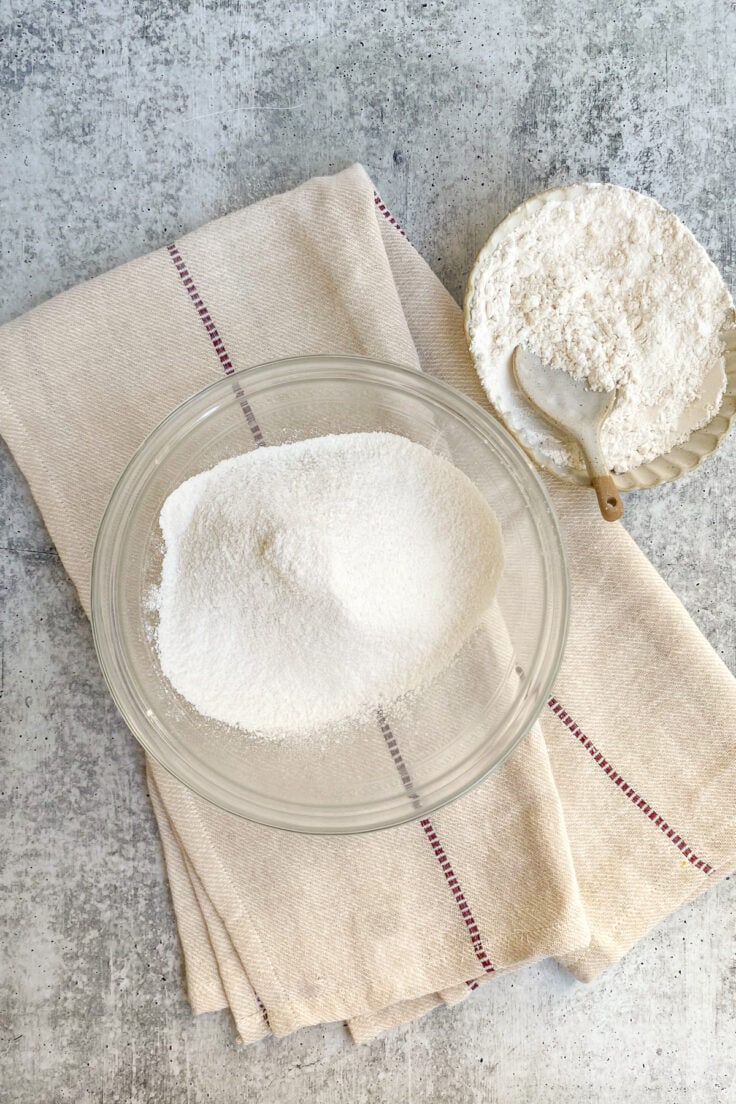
[609, 500]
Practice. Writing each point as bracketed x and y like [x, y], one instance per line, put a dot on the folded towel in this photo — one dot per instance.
[612, 812]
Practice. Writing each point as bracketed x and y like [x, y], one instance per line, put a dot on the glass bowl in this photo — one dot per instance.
[412, 757]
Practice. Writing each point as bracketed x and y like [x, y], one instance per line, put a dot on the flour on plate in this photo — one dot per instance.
[307, 583]
[608, 286]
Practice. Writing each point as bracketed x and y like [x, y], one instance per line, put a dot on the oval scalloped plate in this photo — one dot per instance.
[681, 459]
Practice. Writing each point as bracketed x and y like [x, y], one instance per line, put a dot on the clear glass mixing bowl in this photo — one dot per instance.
[410, 758]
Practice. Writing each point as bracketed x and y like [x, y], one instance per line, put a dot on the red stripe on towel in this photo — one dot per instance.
[398, 759]
[264, 1013]
[457, 893]
[627, 790]
[217, 343]
[437, 848]
[387, 214]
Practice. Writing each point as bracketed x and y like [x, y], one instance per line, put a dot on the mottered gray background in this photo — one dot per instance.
[123, 125]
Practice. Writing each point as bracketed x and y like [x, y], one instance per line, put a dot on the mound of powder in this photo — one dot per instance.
[307, 583]
[611, 287]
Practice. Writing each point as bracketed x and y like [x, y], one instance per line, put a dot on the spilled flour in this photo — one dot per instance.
[307, 583]
[611, 287]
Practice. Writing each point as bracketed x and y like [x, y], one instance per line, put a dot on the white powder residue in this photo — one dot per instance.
[307, 583]
[611, 287]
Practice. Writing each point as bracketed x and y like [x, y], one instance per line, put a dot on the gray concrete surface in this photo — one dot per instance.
[126, 123]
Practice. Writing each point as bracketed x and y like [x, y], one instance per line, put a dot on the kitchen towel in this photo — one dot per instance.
[610, 814]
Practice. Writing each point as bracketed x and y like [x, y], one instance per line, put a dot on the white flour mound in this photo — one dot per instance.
[611, 287]
[307, 583]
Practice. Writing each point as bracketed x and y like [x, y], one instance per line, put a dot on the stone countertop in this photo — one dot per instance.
[125, 125]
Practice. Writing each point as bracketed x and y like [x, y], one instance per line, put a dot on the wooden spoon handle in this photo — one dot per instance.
[609, 500]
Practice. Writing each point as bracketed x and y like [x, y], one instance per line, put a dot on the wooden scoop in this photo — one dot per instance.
[571, 406]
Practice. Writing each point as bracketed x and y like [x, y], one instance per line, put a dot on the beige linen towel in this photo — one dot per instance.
[608, 816]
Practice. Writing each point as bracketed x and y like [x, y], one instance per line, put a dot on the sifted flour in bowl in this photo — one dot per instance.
[609, 286]
[306, 583]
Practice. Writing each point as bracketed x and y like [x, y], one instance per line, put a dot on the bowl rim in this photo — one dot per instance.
[118, 512]
[682, 458]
